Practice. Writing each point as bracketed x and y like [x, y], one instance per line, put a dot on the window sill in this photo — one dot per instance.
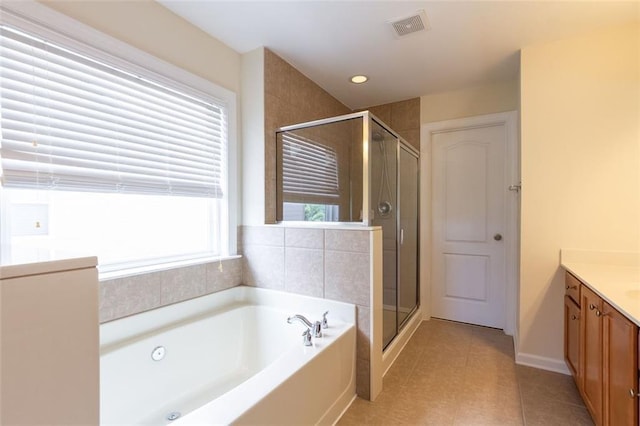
[158, 267]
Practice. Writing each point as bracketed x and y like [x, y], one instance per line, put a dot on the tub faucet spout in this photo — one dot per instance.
[315, 327]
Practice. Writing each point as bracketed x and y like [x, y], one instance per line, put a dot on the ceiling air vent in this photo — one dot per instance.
[411, 24]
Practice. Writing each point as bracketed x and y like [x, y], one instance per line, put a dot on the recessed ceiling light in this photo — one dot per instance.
[358, 79]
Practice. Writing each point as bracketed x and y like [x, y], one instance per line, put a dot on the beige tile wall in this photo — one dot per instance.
[290, 98]
[403, 117]
[328, 263]
[122, 297]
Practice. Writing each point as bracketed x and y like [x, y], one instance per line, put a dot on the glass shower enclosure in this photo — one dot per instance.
[355, 168]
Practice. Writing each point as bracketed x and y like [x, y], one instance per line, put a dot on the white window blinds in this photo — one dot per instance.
[70, 122]
[309, 169]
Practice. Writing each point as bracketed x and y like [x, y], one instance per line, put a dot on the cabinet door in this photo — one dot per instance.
[572, 337]
[620, 368]
[591, 353]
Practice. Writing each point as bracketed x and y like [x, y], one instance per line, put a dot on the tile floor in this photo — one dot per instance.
[458, 374]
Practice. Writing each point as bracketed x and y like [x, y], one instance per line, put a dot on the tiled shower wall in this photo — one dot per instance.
[130, 295]
[328, 263]
[291, 98]
[403, 117]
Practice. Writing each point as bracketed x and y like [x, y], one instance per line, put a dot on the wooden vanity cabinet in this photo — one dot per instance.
[607, 366]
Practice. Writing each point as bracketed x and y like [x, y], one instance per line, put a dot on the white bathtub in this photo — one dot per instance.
[229, 357]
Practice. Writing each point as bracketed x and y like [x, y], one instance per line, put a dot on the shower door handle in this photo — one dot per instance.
[401, 236]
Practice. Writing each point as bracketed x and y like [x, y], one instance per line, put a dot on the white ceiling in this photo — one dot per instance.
[470, 42]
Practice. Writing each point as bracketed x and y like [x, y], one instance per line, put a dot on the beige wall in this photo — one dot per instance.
[252, 102]
[151, 27]
[487, 99]
[580, 141]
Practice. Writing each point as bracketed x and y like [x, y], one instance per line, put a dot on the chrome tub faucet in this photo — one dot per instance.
[316, 327]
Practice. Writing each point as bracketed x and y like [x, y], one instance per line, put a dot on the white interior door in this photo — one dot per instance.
[469, 225]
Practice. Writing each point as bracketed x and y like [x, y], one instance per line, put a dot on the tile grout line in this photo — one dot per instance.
[459, 395]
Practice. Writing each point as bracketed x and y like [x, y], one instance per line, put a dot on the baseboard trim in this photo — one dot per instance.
[544, 363]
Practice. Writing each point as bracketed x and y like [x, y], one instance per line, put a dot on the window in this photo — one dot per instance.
[311, 212]
[309, 169]
[310, 182]
[109, 160]
[123, 230]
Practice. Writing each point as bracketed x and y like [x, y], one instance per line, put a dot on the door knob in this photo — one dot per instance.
[497, 237]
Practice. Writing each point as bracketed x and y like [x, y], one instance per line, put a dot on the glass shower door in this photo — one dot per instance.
[383, 198]
[408, 241]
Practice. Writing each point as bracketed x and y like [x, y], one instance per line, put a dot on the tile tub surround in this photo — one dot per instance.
[322, 262]
[121, 297]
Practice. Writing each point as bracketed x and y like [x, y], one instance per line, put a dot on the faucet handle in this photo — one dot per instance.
[325, 323]
[317, 329]
[306, 337]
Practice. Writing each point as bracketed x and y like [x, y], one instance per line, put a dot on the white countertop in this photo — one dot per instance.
[613, 276]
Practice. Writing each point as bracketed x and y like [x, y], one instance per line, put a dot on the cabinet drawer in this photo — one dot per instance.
[572, 287]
